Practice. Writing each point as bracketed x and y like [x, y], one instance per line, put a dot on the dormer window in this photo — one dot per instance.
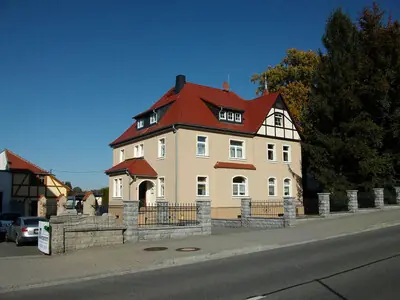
[140, 124]
[230, 116]
[222, 115]
[153, 118]
[238, 117]
[278, 120]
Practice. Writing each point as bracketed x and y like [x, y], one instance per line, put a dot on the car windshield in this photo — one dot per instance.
[33, 222]
[9, 217]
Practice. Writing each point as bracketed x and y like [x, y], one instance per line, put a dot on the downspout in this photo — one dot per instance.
[176, 162]
[130, 183]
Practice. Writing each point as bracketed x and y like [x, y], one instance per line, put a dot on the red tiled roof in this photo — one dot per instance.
[189, 107]
[135, 166]
[232, 165]
[16, 162]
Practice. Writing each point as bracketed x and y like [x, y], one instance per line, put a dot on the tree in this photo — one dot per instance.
[77, 190]
[342, 139]
[105, 198]
[68, 184]
[292, 77]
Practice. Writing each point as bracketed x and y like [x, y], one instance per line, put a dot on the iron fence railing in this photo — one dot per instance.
[168, 214]
[267, 209]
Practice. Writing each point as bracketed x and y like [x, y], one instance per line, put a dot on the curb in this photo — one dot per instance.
[174, 262]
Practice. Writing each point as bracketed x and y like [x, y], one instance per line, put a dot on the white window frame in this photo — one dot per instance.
[121, 155]
[279, 116]
[161, 183]
[118, 187]
[205, 145]
[160, 145]
[243, 149]
[273, 151]
[230, 116]
[206, 183]
[140, 123]
[138, 150]
[289, 153]
[246, 187]
[153, 118]
[222, 115]
[275, 185]
[238, 117]
[290, 187]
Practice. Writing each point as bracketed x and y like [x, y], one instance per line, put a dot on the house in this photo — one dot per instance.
[22, 182]
[203, 142]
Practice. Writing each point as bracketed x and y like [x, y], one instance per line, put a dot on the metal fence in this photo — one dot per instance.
[267, 209]
[168, 214]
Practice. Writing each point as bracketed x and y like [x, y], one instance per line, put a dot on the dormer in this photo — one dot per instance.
[153, 117]
[229, 115]
[140, 123]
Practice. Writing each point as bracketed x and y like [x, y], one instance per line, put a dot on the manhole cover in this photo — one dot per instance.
[188, 249]
[155, 249]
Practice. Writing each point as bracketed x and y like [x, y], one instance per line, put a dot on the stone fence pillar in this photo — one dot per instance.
[353, 200]
[289, 209]
[203, 215]
[245, 210]
[324, 204]
[379, 198]
[131, 216]
[57, 239]
[162, 211]
[397, 189]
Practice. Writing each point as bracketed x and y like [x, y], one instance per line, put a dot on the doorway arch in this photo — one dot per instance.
[146, 193]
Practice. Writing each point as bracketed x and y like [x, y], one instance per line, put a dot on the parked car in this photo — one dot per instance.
[6, 219]
[23, 230]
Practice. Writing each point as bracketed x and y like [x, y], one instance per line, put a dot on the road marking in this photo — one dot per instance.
[256, 298]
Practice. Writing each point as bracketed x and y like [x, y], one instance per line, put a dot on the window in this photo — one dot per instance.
[286, 153]
[287, 187]
[222, 115]
[140, 124]
[121, 155]
[239, 186]
[161, 148]
[161, 186]
[202, 146]
[271, 153]
[272, 186]
[230, 116]
[236, 149]
[238, 117]
[153, 118]
[202, 186]
[118, 187]
[138, 150]
[278, 120]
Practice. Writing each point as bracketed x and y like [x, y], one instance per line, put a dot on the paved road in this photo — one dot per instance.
[9, 249]
[364, 266]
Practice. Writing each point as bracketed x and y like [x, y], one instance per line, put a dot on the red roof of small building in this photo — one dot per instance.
[232, 165]
[16, 162]
[189, 107]
[135, 166]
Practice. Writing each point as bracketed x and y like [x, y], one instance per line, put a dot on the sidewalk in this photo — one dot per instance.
[24, 272]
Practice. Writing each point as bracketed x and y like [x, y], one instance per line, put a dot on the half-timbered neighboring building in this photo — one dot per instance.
[203, 142]
[22, 182]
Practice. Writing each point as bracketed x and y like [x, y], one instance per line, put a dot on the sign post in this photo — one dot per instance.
[44, 237]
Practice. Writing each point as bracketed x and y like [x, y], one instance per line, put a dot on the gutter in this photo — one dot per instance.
[176, 162]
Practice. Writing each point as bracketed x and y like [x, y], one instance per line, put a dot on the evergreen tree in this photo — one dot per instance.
[341, 139]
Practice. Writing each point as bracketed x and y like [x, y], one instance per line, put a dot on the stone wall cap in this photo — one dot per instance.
[201, 199]
[324, 193]
[378, 189]
[130, 201]
[351, 190]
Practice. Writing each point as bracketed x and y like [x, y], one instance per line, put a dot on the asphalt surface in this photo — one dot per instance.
[9, 249]
[364, 266]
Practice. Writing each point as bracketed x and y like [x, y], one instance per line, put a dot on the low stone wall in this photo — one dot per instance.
[163, 233]
[235, 223]
[260, 222]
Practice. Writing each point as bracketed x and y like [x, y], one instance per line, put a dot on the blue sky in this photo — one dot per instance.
[73, 73]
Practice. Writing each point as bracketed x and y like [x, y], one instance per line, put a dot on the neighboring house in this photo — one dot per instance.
[22, 182]
[203, 142]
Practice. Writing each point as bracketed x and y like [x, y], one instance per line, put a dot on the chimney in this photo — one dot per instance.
[225, 86]
[180, 83]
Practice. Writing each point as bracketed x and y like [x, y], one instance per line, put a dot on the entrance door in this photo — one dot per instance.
[34, 208]
[142, 194]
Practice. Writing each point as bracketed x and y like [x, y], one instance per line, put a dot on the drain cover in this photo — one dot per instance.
[188, 249]
[155, 249]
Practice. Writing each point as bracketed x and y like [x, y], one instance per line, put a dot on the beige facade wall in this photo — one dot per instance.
[165, 167]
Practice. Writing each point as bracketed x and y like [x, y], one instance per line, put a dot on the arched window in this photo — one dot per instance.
[287, 187]
[272, 186]
[239, 186]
